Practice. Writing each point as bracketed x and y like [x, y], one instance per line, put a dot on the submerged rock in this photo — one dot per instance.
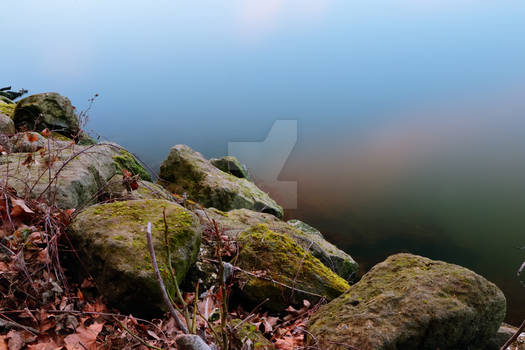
[412, 303]
[6, 125]
[111, 239]
[232, 166]
[282, 271]
[236, 221]
[187, 171]
[47, 110]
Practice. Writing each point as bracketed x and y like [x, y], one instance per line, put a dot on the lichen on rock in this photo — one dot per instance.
[112, 241]
[412, 303]
[287, 273]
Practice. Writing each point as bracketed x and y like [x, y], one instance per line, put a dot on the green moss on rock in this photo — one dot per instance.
[245, 331]
[413, 303]
[112, 240]
[126, 160]
[7, 109]
[278, 258]
[187, 171]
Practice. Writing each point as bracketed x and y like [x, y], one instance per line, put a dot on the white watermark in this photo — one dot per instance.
[266, 160]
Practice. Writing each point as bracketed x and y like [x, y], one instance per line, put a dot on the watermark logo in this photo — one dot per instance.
[266, 160]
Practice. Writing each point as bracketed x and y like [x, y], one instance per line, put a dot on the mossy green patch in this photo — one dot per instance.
[112, 238]
[279, 259]
[126, 160]
[7, 109]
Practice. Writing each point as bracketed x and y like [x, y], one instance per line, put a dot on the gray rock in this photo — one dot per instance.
[190, 342]
[231, 165]
[505, 332]
[77, 174]
[111, 240]
[6, 125]
[48, 110]
[187, 171]
[116, 190]
[27, 142]
[412, 303]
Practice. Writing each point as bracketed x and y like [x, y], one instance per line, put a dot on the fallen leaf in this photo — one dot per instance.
[84, 338]
[32, 137]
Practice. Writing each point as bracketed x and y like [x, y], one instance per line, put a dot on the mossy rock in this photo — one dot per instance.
[126, 160]
[236, 221]
[231, 165]
[277, 258]
[7, 109]
[76, 179]
[245, 333]
[111, 239]
[187, 171]
[7, 127]
[412, 303]
[47, 110]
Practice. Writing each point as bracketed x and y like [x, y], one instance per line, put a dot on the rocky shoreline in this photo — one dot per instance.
[404, 302]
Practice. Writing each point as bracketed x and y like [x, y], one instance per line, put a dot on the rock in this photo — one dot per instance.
[504, 333]
[111, 239]
[127, 161]
[6, 125]
[411, 302]
[48, 110]
[307, 229]
[236, 221]
[7, 108]
[115, 190]
[247, 334]
[232, 166]
[27, 142]
[280, 264]
[79, 172]
[188, 171]
[5, 99]
[190, 342]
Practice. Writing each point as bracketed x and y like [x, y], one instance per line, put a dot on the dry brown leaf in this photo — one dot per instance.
[21, 203]
[84, 338]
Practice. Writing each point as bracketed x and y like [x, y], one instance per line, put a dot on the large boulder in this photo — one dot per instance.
[111, 240]
[412, 303]
[273, 266]
[231, 165]
[6, 125]
[236, 221]
[47, 110]
[187, 171]
[76, 177]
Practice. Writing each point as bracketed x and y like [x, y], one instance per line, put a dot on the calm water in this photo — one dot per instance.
[410, 113]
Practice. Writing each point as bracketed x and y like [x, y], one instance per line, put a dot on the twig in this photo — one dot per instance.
[161, 282]
[514, 337]
[142, 341]
[13, 323]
